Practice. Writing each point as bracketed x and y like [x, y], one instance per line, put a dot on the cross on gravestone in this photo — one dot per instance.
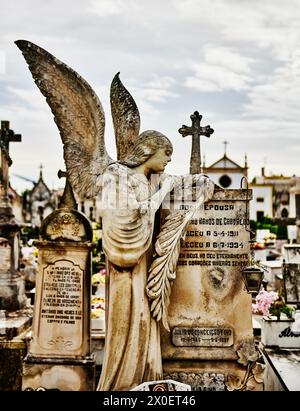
[6, 136]
[196, 131]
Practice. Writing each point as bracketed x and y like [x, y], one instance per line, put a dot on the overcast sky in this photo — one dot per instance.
[235, 61]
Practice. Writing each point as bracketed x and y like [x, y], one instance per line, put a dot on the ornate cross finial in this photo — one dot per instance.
[196, 131]
[225, 146]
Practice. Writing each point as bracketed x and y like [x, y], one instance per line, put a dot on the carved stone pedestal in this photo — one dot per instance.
[60, 350]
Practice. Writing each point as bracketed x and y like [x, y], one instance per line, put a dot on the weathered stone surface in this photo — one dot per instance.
[209, 293]
[59, 355]
[61, 325]
[211, 375]
[55, 375]
[13, 323]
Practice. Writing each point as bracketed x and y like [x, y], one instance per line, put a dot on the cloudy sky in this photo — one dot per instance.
[235, 61]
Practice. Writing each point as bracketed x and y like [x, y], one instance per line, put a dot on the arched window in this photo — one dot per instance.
[284, 213]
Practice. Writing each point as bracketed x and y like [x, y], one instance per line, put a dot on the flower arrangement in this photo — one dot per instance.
[270, 303]
[99, 278]
[98, 307]
[98, 283]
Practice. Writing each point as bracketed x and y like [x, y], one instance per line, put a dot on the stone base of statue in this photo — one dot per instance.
[59, 356]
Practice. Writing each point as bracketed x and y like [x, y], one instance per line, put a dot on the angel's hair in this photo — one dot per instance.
[145, 146]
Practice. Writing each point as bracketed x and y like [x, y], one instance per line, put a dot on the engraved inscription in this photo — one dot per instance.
[202, 337]
[218, 241]
[61, 306]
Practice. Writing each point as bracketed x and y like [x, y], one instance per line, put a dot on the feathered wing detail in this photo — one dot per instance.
[78, 114]
[162, 271]
[126, 117]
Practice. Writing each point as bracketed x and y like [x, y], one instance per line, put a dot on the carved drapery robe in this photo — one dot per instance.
[132, 348]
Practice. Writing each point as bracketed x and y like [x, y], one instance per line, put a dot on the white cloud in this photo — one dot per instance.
[157, 90]
[2, 62]
[221, 69]
[171, 54]
[106, 8]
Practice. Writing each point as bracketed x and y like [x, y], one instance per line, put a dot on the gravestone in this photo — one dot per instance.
[59, 355]
[211, 341]
[15, 317]
[210, 314]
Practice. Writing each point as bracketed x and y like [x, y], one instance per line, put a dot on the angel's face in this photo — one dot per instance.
[159, 160]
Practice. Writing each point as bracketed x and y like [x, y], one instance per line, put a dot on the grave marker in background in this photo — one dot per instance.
[15, 317]
[59, 354]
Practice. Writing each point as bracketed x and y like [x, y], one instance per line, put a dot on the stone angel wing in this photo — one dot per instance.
[126, 117]
[78, 114]
[162, 271]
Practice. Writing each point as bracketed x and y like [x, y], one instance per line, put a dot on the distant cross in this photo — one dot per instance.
[6, 136]
[196, 131]
[225, 146]
[41, 170]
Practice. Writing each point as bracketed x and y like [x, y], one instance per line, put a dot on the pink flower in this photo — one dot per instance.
[263, 301]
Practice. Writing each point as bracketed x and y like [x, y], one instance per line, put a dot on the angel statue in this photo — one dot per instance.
[140, 264]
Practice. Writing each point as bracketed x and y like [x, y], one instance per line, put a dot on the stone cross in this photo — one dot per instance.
[196, 131]
[225, 146]
[6, 136]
